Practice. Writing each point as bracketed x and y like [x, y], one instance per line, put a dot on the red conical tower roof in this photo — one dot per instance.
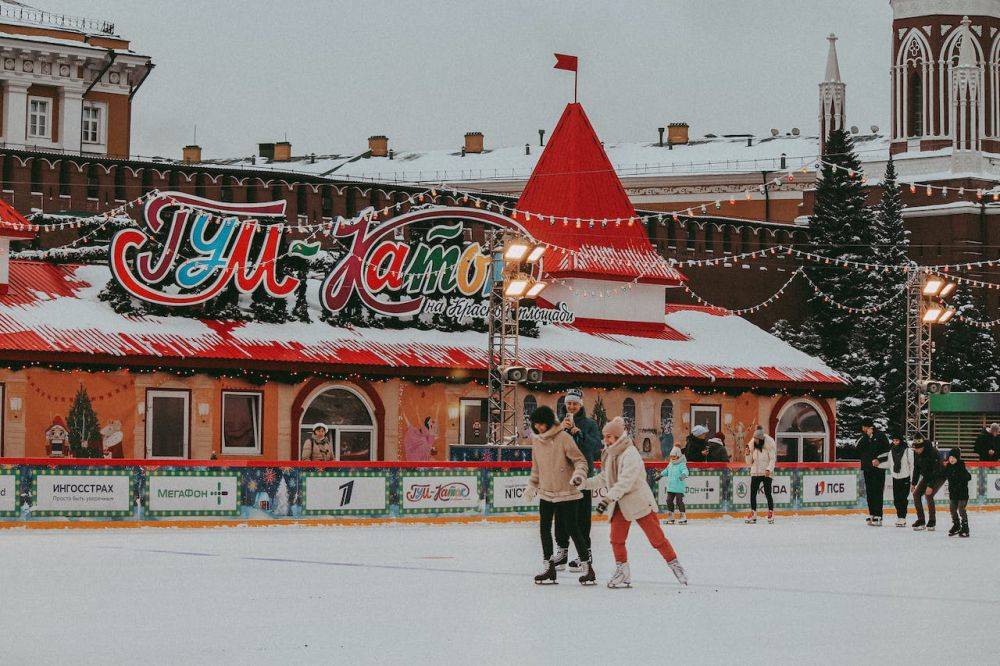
[574, 200]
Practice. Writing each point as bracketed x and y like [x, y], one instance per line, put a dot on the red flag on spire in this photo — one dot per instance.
[567, 62]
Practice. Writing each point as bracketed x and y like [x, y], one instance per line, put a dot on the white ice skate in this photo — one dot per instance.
[877, 521]
[678, 570]
[770, 517]
[622, 576]
[683, 520]
[901, 522]
[752, 518]
[670, 519]
[560, 557]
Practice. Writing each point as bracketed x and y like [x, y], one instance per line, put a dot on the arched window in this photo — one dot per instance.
[802, 434]
[174, 181]
[64, 178]
[915, 105]
[744, 239]
[529, 406]
[93, 182]
[727, 239]
[348, 420]
[35, 175]
[628, 413]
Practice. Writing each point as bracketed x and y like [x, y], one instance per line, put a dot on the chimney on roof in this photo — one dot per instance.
[473, 142]
[282, 151]
[677, 133]
[266, 150]
[541, 138]
[191, 154]
[661, 130]
[378, 145]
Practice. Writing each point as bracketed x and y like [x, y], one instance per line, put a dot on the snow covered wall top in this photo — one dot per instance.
[54, 310]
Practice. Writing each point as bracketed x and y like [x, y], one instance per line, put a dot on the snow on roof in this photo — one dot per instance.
[708, 155]
[54, 309]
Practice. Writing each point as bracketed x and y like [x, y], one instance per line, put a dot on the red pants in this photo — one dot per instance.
[650, 524]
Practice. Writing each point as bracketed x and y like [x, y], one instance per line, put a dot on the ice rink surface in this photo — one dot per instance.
[810, 589]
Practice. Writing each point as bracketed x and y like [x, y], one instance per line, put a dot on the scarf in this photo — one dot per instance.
[610, 458]
[897, 457]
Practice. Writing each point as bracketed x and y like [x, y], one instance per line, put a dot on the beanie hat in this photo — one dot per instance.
[956, 452]
[759, 433]
[544, 415]
[699, 431]
[897, 435]
[615, 427]
[676, 451]
[574, 395]
[716, 440]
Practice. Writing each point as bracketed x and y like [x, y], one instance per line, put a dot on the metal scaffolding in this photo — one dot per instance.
[918, 355]
[502, 348]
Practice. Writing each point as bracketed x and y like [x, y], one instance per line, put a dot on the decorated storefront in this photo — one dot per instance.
[215, 330]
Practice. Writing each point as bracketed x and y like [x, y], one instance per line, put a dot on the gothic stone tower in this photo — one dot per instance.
[832, 96]
[945, 75]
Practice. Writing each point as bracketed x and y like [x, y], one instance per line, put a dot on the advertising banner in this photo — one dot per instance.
[186, 492]
[439, 491]
[506, 492]
[781, 490]
[833, 487]
[72, 492]
[992, 486]
[704, 491]
[345, 493]
[10, 492]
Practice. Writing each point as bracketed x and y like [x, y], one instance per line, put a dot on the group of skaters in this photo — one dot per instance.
[562, 462]
[919, 470]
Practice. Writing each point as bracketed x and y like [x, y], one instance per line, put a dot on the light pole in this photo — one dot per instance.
[511, 279]
[925, 308]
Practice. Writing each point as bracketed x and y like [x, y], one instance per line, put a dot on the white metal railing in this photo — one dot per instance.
[39, 17]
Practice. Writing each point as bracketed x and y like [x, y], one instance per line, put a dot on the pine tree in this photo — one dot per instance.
[966, 355]
[300, 311]
[84, 428]
[280, 505]
[600, 414]
[803, 337]
[887, 325]
[838, 228]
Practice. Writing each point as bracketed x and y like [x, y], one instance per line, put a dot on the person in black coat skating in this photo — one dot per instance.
[928, 477]
[873, 451]
[958, 478]
[588, 439]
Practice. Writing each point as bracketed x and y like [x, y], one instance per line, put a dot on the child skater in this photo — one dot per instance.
[958, 492]
[624, 475]
[555, 461]
[677, 474]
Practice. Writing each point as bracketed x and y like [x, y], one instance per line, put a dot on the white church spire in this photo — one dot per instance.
[832, 65]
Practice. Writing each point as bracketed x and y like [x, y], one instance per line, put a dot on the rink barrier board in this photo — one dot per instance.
[278, 491]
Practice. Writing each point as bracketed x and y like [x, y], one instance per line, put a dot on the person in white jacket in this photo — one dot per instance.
[900, 467]
[761, 455]
[629, 498]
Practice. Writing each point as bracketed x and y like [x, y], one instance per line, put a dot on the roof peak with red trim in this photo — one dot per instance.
[574, 200]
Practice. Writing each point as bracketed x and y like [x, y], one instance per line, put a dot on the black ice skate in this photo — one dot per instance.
[576, 566]
[955, 529]
[548, 574]
[589, 577]
[919, 525]
[876, 521]
[559, 559]
[964, 532]
[931, 525]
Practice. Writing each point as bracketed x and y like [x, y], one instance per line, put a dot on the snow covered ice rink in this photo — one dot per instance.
[810, 589]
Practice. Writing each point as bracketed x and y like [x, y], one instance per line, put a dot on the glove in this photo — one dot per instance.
[576, 480]
[530, 493]
[602, 506]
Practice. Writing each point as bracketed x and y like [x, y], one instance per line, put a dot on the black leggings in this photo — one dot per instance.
[901, 496]
[679, 499]
[756, 483]
[874, 487]
[958, 511]
[565, 512]
[584, 511]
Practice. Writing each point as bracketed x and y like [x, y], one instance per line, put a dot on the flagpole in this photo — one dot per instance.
[576, 73]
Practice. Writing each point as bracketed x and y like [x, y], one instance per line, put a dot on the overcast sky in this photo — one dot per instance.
[331, 73]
